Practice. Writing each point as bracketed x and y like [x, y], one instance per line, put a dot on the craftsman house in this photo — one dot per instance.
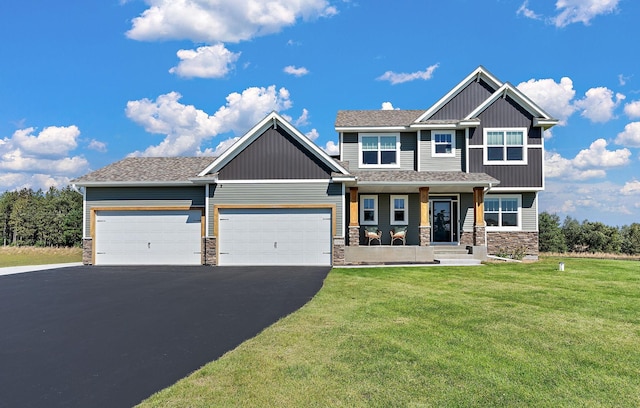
[460, 179]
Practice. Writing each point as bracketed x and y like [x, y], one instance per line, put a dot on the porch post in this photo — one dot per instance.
[479, 231]
[354, 227]
[425, 225]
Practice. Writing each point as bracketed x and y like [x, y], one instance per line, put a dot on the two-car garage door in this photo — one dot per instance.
[278, 236]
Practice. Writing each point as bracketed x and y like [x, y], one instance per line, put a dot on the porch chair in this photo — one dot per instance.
[399, 233]
[372, 233]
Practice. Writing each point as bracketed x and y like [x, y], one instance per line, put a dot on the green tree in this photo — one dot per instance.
[551, 238]
[631, 239]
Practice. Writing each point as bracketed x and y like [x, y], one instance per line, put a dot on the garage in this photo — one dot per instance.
[148, 237]
[275, 236]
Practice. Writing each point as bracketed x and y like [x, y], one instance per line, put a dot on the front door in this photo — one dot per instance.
[441, 221]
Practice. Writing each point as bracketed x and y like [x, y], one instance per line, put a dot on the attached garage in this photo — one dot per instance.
[275, 236]
[148, 237]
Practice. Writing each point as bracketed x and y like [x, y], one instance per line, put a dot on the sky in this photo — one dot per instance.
[84, 83]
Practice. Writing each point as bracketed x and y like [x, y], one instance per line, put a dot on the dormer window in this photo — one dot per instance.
[379, 150]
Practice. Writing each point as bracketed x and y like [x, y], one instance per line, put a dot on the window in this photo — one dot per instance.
[505, 146]
[443, 143]
[502, 212]
[368, 210]
[379, 150]
[399, 205]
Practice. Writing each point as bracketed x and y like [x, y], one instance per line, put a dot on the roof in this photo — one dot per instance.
[376, 118]
[139, 170]
[422, 177]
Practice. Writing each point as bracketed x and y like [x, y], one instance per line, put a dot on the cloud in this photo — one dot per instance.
[331, 148]
[528, 13]
[399, 78]
[588, 164]
[213, 61]
[222, 21]
[597, 155]
[312, 134]
[187, 128]
[303, 119]
[291, 70]
[52, 141]
[97, 146]
[582, 11]
[555, 98]
[632, 109]
[598, 104]
[630, 136]
[387, 106]
[631, 187]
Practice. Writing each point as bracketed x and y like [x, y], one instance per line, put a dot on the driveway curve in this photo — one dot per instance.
[112, 336]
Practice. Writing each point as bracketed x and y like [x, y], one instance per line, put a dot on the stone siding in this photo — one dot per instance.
[514, 241]
[479, 236]
[425, 235]
[209, 251]
[354, 235]
[87, 251]
[338, 251]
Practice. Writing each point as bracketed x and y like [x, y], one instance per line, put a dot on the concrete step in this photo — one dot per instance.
[458, 262]
[453, 255]
[445, 250]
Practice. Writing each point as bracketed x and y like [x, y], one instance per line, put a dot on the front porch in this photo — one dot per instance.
[413, 254]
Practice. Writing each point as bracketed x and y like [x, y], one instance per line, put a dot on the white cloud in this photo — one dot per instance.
[312, 134]
[331, 148]
[527, 12]
[399, 78]
[387, 106]
[632, 109]
[557, 166]
[582, 11]
[186, 128]
[291, 70]
[588, 164]
[630, 136]
[303, 119]
[52, 141]
[598, 104]
[555, 98]
[222, 21]
[597, 155]
[631, 187]
[221, 147]
[213, 61]
[97, 145]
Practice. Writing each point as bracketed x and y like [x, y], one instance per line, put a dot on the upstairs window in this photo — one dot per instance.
[443, 143]
[379, 150]
[502, 212]
[505, 146]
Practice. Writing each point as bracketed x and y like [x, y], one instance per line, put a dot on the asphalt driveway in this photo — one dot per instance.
[112, 336]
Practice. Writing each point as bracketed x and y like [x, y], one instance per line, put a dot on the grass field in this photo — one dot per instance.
[496, 335]
[19, 256]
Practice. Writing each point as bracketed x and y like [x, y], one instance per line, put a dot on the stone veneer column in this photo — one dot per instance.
[209, 251]
[354, 227]
[338, 251]
[479, 226]
[87, 251]
[425, 225]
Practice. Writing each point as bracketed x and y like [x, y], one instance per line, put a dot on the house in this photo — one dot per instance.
[463, 174]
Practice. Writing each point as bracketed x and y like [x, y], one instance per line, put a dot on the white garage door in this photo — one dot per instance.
[169, 237]
[274, 236]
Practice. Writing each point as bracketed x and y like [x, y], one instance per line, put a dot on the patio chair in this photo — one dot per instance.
[399, 233]
[372, 233]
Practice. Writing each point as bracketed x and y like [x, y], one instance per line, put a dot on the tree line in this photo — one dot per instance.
[586, 236]
[36, 218]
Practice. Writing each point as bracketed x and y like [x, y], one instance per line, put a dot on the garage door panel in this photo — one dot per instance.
[148, 237]
[275, 237]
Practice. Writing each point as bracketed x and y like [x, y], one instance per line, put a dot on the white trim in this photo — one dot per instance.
[404, 197]
[134, 183]
[374, 129]
[341, 233]
[516, 189]
[504, 161]
[340, 145]
[84, 214]
[520, 98]
[519, 215]
[375, 209]
[207, 231]
[544, 169]
[535, 146]
[476, 146]
[419, 154]
[452, 133]
[395, 165]
[274, 181]
[466, 147]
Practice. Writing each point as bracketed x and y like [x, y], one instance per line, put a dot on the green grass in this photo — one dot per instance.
[21, 256]
[498, 335]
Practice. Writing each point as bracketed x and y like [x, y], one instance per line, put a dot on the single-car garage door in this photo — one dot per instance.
[162, 237]
[282, 236]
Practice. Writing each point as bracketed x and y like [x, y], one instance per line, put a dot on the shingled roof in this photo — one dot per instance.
[375, 118]
[149, 170]
[424, 177]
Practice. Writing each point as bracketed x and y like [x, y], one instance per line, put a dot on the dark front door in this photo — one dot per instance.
[441, 214]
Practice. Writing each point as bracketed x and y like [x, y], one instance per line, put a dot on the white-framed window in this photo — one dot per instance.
[399, 206]
[443, 143]
[503, 212]
[368, 209]
[379, 150]
[505, 146]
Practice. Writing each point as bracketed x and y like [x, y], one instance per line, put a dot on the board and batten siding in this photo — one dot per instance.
[520, 175]
[408, 151]
[429, 163]
[464, 102]
[529, 211]
[184, 197]
[312, 193]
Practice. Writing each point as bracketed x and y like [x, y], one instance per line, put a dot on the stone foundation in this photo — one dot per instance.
[209, 251]
[354, 235]
[338, 251]
[425, 235]
[87, 251]
[521, 242]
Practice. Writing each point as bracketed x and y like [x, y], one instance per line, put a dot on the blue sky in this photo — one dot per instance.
[84, 83]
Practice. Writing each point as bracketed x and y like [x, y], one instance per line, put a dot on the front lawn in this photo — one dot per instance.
[496, 335]
[21, 256]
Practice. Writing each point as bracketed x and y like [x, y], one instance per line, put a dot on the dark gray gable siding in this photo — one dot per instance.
[505, 112]
[511, 176]
[274, 155]
[466, 101]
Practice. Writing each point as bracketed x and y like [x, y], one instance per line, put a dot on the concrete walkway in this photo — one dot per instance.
[10, 270]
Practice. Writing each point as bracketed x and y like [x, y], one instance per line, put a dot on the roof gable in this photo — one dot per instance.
[283, 129]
